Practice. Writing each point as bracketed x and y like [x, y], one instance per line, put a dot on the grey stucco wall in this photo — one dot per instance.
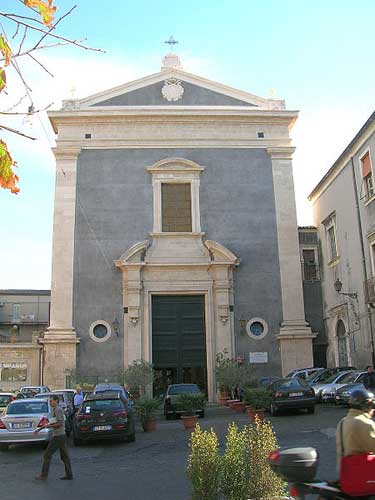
[114, 196]
[193, 95]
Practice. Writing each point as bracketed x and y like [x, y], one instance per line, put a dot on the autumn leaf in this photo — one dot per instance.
[3, 79]
[46, 9]
[8, 178]
[5, 50]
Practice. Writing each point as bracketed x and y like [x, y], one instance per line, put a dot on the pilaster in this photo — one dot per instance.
[60, 338]
[295, 335]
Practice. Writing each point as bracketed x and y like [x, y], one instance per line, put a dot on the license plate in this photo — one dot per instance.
[103, 428]
[23, 425]
[294, 394]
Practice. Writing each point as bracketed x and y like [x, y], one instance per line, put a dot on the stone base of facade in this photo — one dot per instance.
[59, 356]
[296, 347]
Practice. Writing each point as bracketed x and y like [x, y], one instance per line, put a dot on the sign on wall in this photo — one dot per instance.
[258, 357]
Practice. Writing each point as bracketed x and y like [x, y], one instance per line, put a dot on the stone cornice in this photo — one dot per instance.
[281, 152]
[66, 153]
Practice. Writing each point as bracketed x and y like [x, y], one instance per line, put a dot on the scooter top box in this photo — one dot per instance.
[295, 464]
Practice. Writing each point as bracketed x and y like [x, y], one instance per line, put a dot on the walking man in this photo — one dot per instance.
[58, 442]
[77, 400]
[369, 380]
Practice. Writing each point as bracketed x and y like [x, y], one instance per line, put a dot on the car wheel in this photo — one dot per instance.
[130, 438]
[201, 414]
[4, 447]
[273, 410]
[311, 409]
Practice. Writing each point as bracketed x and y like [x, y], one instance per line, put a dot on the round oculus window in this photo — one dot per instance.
[100, 331]
[256, 328]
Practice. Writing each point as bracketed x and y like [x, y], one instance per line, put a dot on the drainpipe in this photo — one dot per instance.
[369, 315]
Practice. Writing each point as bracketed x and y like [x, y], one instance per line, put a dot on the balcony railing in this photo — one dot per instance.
[370, 290]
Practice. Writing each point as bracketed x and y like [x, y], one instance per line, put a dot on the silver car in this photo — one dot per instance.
[331, 381]
[21, 418]
[329, 393]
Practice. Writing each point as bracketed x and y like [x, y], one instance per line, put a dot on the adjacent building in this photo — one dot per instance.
[175, 232]
[24, 317]
[344, 213]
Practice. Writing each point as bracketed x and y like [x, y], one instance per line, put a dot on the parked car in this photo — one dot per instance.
[303, 372]
[265, 381]
[342, 395]
[65, 406]
[103, 416]
[291, 393]
[31, 390]
[5, 399]
[323, 375]
[170, 399]
[69, 395]
[351, 377]
[21, 418]
[329, 383]
[101, 388]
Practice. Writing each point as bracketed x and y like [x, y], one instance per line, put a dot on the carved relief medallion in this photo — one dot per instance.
[172, 90]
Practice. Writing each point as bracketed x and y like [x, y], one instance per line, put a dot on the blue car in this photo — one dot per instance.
[101, 388]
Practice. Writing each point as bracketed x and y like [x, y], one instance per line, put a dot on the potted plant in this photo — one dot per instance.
[258, 400]
[189, 405]
[138, 376]
[147, 409]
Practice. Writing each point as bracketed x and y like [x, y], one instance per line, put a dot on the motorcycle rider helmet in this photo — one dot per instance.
[362, 399]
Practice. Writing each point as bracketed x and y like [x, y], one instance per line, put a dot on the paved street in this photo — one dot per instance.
[154, 466]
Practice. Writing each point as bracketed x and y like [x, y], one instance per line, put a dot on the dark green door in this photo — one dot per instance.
[178, 340]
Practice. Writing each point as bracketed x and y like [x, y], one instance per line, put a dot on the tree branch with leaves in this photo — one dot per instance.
[28, 32]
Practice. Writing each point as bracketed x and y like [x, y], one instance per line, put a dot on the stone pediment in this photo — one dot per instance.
[173, 87]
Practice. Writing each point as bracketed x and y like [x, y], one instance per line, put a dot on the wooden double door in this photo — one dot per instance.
[178, 341]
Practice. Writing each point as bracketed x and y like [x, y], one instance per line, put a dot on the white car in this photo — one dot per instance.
[29, 390]
[303, 373]
[21, 418]
[333, 382]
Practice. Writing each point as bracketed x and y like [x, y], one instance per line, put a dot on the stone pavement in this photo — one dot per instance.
[154, 467]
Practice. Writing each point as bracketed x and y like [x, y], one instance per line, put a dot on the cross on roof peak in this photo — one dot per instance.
[171, 42]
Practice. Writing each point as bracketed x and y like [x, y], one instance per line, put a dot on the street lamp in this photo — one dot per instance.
[338, 286]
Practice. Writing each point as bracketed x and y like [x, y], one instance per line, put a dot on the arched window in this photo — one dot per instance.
[342, 344]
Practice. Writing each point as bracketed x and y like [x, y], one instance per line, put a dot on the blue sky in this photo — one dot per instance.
[318, 56]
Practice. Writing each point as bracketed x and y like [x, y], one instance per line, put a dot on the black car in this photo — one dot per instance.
[103, 416]
[291, 393]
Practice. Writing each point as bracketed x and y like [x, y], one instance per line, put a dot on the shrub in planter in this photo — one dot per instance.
[147, 409]
[262, 481]
[189, 404]
[204, 465]
[234, 468]
[138, 376]
[258, 398]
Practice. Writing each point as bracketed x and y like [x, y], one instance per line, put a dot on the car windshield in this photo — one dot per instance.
[4, 398]
[336, 377]
[318, 378]
[103, 404]
[291, 383]
[25, 408]
[347, 378]
[182, 389]
[35, 390]
[48, 396]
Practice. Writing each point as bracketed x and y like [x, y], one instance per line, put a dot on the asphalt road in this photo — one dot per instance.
[153, 467]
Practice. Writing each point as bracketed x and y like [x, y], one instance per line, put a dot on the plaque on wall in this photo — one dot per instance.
[258, 357]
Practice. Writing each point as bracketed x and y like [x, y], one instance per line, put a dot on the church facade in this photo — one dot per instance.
[175, 233]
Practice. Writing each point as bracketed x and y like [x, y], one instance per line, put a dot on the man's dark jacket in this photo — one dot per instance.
[369, 381]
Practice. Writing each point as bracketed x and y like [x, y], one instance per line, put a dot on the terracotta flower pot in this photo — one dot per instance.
[253, 413]
[223, 401]
[189, 421]
[231, 402]
[149, 425]
[239, 407]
